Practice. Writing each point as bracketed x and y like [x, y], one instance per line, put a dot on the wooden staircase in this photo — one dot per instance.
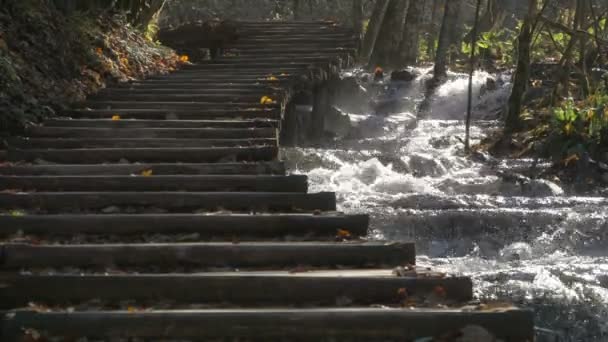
[179, 221]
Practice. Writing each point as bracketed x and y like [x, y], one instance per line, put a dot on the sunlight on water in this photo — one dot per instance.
[534, 246]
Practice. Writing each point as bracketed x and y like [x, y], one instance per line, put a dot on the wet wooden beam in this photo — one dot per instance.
[55, 202]
[267, 255]
[154, 155]
[294, 324]
[263, 288]
[262, 183]
[219, 226]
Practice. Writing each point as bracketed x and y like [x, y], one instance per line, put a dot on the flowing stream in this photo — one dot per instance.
[526, 242]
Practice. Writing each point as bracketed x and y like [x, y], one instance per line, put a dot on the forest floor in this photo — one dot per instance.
[49, 60]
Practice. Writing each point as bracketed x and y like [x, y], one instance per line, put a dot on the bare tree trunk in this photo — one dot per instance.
[386, 50]
[373, 29]
[455, 29]
[522, 73]
[581, 10]
[441, 55]
[297, 10]
[357, 16]
[408, 49]
[432, 32]
[471, 71]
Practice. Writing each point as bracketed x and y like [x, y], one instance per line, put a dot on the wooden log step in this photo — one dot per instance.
[276, 288]
[245, 69]
[261, 83]
[224, 76]
[184, 133]
[296, 40]
[55, 202]
[245, 61]
[258, 255]
[273, 67]
[150, 155]
[178, 114]
[184, 97]
[58, 143]
[232, 91]
[167, 105]
[263, 183]
[241, 226]
[348, 324]
[275, 168]
[108, 123]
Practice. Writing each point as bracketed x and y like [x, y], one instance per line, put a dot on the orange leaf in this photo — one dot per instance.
[99, 51]
[115, 117]
[343, 233]
[184, 58]
[572, 158]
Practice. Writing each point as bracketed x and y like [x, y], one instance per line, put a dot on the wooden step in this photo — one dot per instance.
[174, 105]
[275, 168]
[58, 143]
[55, 202]
[190, 133]
[256, 288]
[153, 155]
[262, 183]
[108, 123]
[240, 226]
[185, 97]
[167, 256]
[177, 114]
[344, 324]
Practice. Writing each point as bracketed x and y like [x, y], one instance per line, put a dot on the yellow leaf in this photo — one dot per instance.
[568, 128]
[16, 213]
[115, 117]
[343, 233]
[272, 78]
[284, 74]
[124, 61]
[263, 99]
[184, 58]
[132, 309]
[146, 173]
[572, 158]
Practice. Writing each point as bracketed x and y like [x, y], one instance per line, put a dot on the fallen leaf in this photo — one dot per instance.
[184, 58]
[572, 158]
[147, 173]
[343, 233]
[115, 117]
[99, 51]
[16, 213]
[271, 78]
[266, 100]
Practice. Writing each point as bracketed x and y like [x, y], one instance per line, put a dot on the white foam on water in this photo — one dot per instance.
[545, 253]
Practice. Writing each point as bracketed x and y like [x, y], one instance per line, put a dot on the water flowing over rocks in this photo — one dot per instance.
[518, 236]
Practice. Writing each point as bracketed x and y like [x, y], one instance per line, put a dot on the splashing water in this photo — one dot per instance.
[532, 245]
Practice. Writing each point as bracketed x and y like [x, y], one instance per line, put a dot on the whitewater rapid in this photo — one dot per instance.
[533, 245]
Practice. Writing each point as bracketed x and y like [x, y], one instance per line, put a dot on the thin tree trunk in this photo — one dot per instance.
[410, 42]
[441, 54]
[432, 32]
[581, 9]
[522, 73]
[357, 16]
[297, 10]
[386, 50]
[471, 71]
[373, 29]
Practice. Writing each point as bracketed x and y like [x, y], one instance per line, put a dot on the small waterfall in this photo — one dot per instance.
[528, 243]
